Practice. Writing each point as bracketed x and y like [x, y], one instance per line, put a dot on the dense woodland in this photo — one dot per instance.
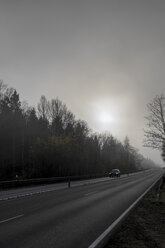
[48, 141]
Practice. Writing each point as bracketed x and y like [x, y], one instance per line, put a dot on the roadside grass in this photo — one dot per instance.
[145, 226]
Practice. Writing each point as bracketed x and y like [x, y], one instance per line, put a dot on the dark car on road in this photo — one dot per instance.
[114, 173]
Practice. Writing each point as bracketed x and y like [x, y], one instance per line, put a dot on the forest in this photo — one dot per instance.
[48, 141]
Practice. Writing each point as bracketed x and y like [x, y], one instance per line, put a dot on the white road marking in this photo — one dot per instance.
[12, 218]
[91, 193]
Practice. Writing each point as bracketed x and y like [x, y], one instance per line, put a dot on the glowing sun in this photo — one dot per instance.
[106, 118]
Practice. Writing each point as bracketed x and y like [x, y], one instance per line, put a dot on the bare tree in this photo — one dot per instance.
[43, 108]
[155, 131]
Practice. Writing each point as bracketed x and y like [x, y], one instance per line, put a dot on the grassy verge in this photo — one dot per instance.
[145, 226]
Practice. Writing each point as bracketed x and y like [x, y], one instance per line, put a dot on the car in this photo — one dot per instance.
[114, 173]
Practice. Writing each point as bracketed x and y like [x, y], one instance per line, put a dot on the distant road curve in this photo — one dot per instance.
[69, 218]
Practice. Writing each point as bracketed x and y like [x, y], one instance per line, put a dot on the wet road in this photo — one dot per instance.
[69, 218]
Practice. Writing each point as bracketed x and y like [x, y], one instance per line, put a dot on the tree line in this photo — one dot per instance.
[48, 141]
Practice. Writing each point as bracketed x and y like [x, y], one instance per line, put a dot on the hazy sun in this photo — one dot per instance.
[106, 118]
[105, 115]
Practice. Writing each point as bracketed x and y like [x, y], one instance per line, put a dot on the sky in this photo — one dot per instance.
[105, 59]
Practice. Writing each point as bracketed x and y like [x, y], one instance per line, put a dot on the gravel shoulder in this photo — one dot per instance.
[145, 226]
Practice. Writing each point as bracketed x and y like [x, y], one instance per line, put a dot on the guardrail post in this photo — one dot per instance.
[68, 182]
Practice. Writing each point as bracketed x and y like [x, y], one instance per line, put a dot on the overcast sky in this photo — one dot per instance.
[105, 59]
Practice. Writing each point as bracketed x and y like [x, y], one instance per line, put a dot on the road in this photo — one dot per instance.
[69, 218]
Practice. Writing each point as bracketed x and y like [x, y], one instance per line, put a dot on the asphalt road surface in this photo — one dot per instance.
[69, 218]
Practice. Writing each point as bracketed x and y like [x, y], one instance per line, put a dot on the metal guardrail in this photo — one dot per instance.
[40, 181]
